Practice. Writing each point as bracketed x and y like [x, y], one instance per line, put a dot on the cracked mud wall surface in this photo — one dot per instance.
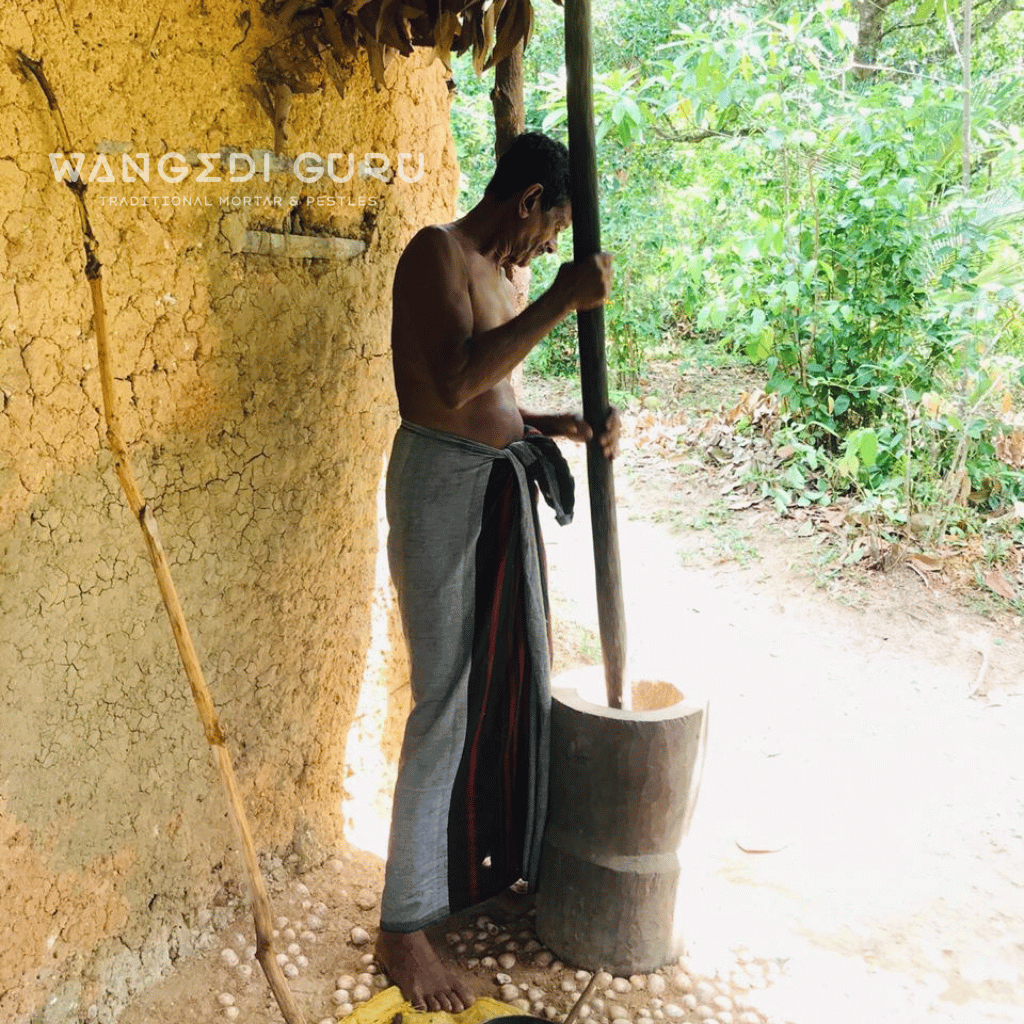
[255, 394]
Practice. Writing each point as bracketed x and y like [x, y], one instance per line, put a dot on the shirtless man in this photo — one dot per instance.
[456, 338]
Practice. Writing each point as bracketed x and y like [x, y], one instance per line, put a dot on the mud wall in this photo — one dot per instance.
[255, 393]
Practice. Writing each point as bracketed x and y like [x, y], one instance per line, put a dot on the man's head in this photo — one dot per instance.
[532, 159]
[533, 177]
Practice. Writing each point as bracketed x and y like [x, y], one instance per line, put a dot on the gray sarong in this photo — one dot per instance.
[467, 562]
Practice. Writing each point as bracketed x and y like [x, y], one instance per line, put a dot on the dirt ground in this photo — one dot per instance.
[857, 852]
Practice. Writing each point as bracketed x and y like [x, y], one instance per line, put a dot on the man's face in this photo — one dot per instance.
[540, 231]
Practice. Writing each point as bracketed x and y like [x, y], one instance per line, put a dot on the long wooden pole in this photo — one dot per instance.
[143, 514]
[593, 369]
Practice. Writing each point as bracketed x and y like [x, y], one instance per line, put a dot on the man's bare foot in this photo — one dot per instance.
[411, 963]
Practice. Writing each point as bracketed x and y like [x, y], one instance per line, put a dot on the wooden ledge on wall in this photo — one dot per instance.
[301, 247]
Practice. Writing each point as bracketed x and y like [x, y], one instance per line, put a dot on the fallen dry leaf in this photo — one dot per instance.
[926, 563]
[999, 584]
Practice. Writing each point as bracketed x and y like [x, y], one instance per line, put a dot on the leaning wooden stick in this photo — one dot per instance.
[204, 702]
[586, 231]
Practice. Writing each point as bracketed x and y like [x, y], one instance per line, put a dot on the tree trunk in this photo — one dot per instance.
[507, 100]
[870, 27]
[510, 121]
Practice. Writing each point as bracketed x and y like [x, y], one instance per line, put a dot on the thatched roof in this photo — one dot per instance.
[339, 29]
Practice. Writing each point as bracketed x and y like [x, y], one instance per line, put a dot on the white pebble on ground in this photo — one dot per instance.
[340, 996]
[359, 936]
[690, 1001]
[604, 979]
[231, 1012]
[345, 1009]
[638, 981]
[551, 1012]
[281, 958]
[567, 985]
[226, 999]
[503, 979]
[290, 971]
[280, 922]
[543, 958]
[366, 899]
[288, 934]
[509, 993]
[308, 936]
[345, 981]
[301, 961]
[673, 1012]
[535, 995]
[489, 962]
[522, 1004]
[507, 960]
[659, 1014]
[656, 984]
[620, 985]
[583, 976]
[705, 1012]
[229, 956]
[705, 991]
[722, 1003]
[294, 949]
[360, 994]
[364, 979]
[472, 963]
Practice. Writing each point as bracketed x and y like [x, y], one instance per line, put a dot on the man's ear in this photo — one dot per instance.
[529, 199]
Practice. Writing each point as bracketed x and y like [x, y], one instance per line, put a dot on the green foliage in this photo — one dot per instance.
[757, 191]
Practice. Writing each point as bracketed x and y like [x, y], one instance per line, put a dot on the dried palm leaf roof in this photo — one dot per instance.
[338, 29]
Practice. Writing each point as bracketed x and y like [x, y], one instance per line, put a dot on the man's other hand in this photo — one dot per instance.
[575, 427]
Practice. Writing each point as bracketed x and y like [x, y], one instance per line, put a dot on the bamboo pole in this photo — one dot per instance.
[593, 370]
[262, 914]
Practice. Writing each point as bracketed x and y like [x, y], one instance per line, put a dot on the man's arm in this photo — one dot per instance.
[433, 280]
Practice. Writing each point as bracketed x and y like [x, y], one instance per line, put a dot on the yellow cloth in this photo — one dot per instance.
[382, 1008]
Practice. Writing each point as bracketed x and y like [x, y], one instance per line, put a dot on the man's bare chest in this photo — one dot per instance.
[492, 297]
